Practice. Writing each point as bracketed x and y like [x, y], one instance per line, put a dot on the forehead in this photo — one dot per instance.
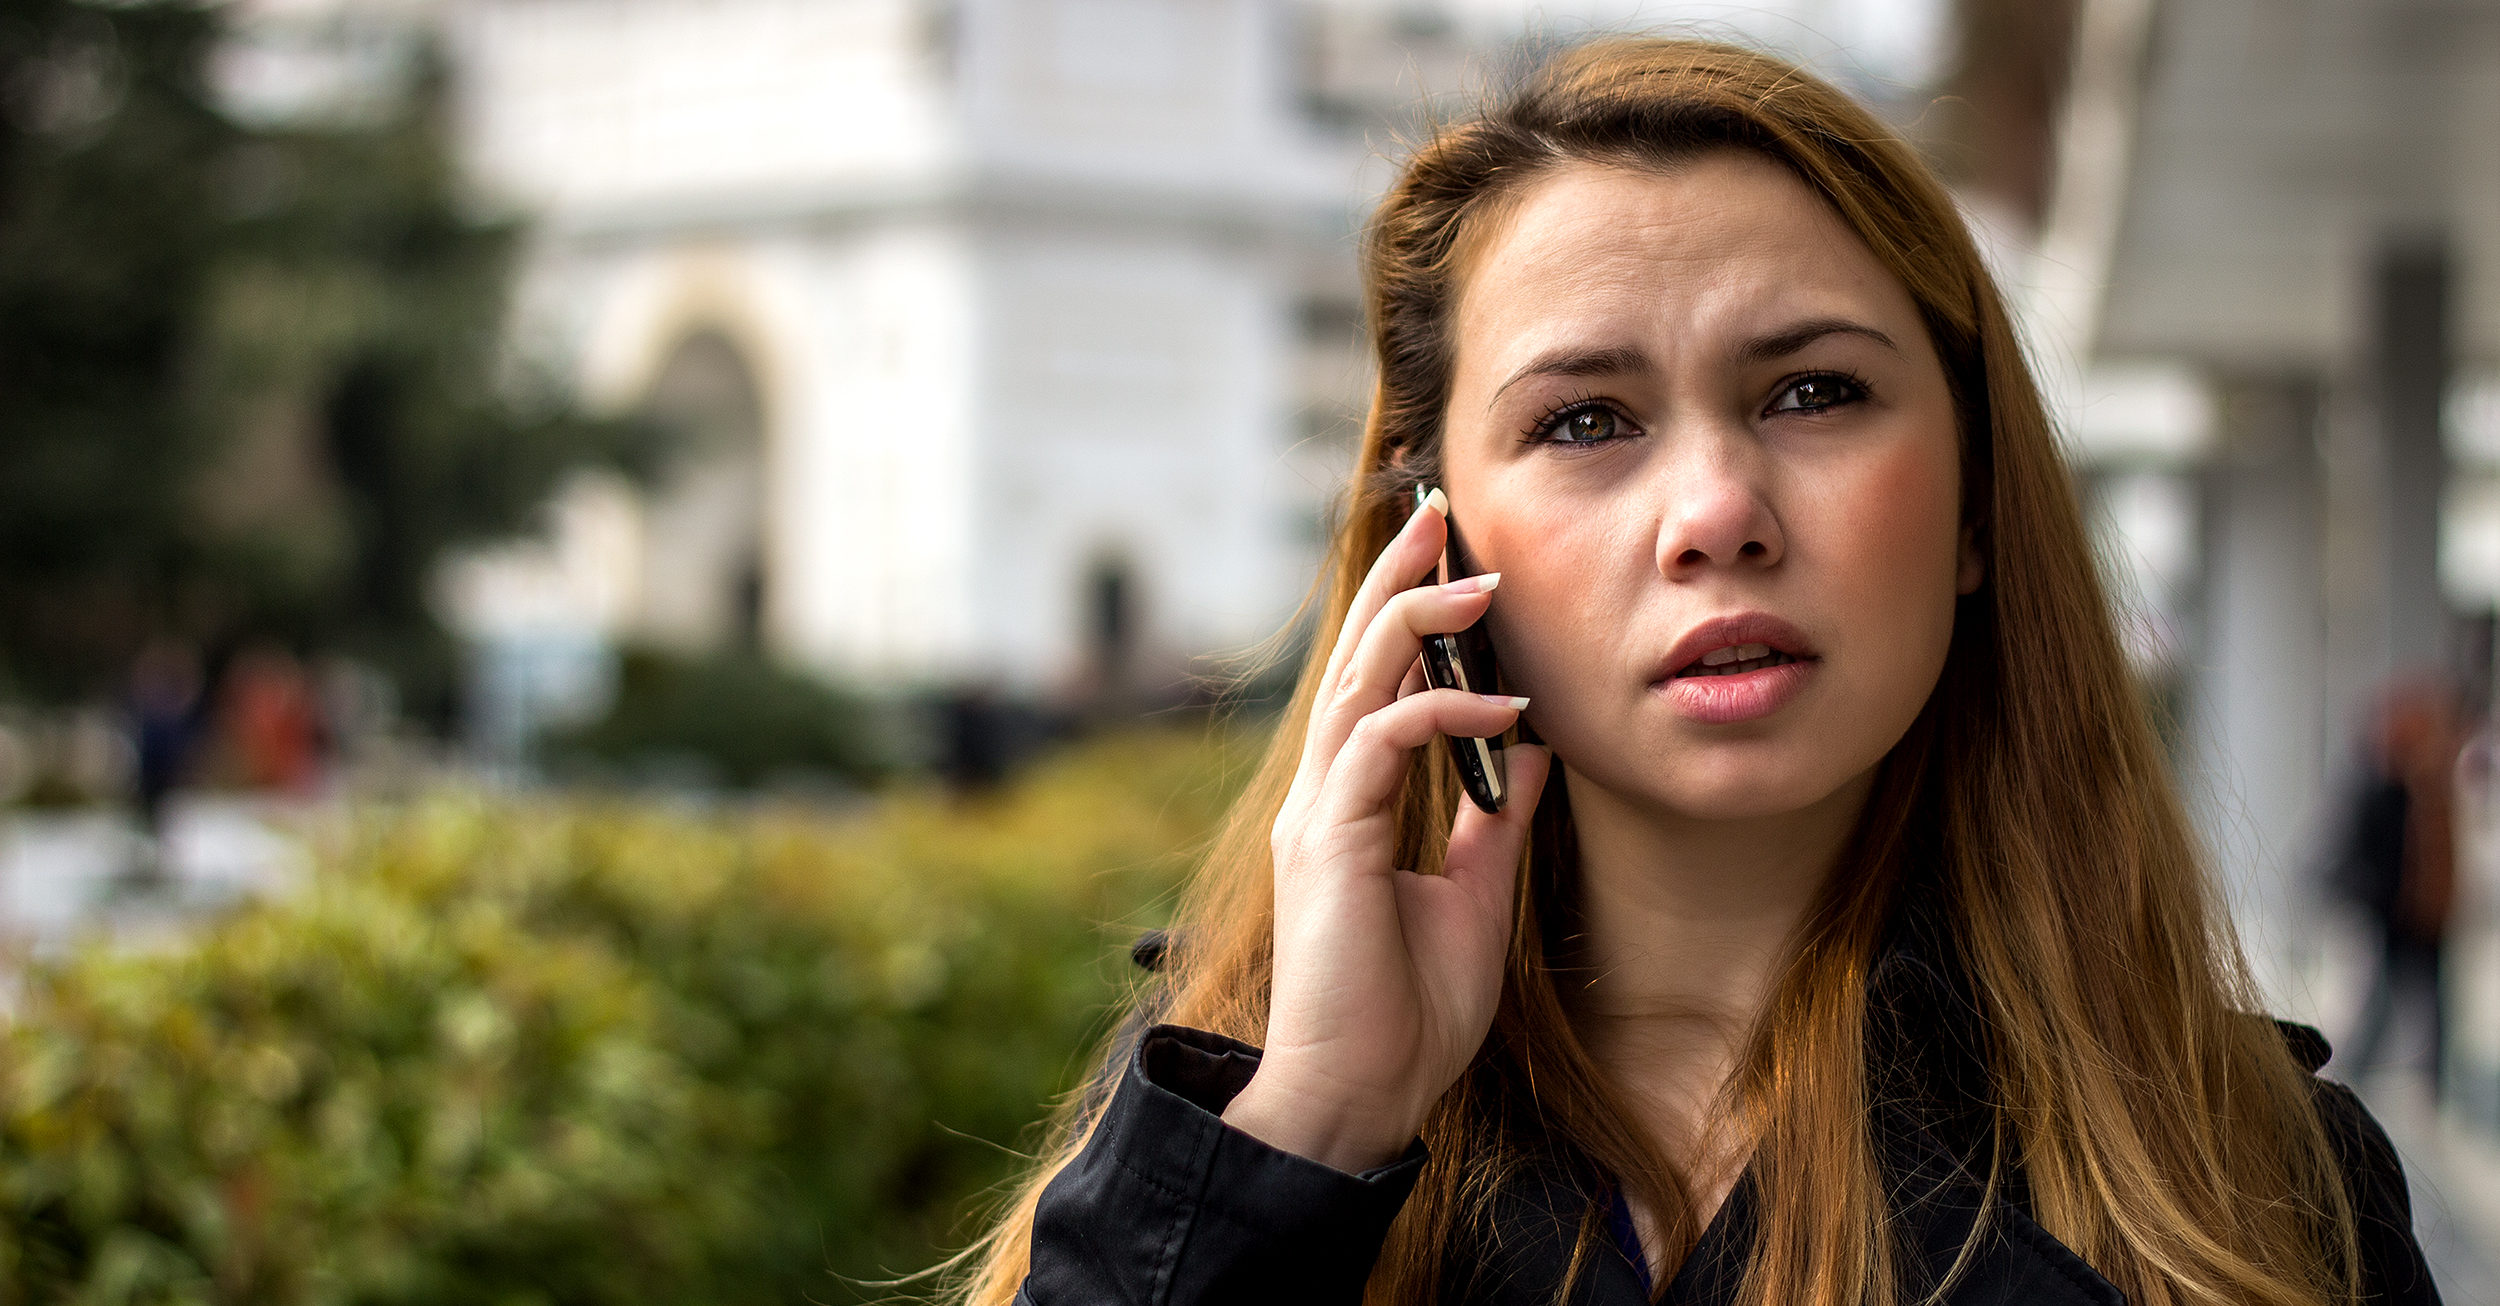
[1729, 241]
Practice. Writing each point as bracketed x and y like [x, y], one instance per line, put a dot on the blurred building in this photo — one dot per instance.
[983, 317]
[1016, 340]
[2265, 277]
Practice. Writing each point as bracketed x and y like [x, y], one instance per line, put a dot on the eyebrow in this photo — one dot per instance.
[1616, 360]
[1609, 360]
[1780, 344]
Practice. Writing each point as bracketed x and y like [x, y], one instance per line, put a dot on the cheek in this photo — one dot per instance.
[1554, 587]
[1892, 547]
[1906, 504]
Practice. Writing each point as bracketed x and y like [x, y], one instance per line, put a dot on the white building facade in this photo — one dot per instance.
[985, 319]
[1019, 336]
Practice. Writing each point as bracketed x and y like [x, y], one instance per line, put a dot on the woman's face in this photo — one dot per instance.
[1704, 437]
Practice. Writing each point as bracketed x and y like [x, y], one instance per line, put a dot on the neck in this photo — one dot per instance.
[1687, 922]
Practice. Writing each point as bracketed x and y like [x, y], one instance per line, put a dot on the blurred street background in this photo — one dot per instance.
[612, 611]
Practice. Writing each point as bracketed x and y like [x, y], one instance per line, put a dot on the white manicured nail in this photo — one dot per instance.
[1438, 501]
[1499, 700]
[1482, 583]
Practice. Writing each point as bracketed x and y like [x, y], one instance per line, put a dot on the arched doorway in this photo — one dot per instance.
[703, 582]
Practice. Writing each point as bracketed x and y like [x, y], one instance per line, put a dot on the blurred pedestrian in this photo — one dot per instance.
[164, 719]
[2396, 864]
[272, 720]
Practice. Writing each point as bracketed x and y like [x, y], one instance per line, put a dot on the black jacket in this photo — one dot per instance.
[1168, 1206]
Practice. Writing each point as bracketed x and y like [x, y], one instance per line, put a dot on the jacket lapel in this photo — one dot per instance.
[1535, 1228]
[1927, 1078]
[1942, 1198]
[1928, 1083]
[2016, 1262]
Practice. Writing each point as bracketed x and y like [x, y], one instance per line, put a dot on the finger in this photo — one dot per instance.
[1413, 551]
[1388, 650]
[1414, 683]
[1485, 846]
[1371, 766]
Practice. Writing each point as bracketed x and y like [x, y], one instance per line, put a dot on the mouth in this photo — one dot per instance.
[1736, 660]
[1736, 669]
[1734, 645]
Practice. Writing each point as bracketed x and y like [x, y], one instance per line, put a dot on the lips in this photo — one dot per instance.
[1731, 670]
[1733, 645]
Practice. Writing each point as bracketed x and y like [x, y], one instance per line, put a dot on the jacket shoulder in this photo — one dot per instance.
[2307, 1045]
[2392, 1266]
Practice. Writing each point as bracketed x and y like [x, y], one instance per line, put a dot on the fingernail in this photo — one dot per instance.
[1477, 584]
[1499, 700]
[1438, 501]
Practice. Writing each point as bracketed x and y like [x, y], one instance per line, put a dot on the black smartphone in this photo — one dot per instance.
[1464, 660]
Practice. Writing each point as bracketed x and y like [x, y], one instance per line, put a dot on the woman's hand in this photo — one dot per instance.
[1385, 980]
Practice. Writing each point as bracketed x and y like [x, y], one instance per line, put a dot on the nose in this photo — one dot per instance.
[1716, 509]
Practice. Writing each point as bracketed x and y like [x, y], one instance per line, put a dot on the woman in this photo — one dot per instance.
[1856, 949]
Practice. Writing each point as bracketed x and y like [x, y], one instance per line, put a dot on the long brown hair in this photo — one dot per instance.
[2162, 1134]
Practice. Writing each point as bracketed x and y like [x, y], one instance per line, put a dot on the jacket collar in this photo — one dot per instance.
[1926, 1080]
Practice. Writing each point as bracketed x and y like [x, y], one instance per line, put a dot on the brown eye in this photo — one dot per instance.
[1586, 426]
[1579, 423]
[1813, 394]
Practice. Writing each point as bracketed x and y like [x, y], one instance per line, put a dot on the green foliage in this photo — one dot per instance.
[589, 1054]
[255, 372]
[740, 717]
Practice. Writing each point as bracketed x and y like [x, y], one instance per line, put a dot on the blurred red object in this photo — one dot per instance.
[272, 719]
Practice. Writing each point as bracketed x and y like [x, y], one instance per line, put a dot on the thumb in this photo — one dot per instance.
[1485, 846]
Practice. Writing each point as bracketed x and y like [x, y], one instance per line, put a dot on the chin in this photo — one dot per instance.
[1721, 797]
[1730, 783]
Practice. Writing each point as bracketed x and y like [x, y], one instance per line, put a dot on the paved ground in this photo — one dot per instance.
[68, 874]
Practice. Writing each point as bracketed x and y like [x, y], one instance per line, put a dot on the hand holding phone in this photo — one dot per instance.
[1464, 660]
[1385, 980]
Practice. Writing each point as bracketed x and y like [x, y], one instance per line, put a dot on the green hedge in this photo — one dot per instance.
[732, 718]
[572, 1052]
